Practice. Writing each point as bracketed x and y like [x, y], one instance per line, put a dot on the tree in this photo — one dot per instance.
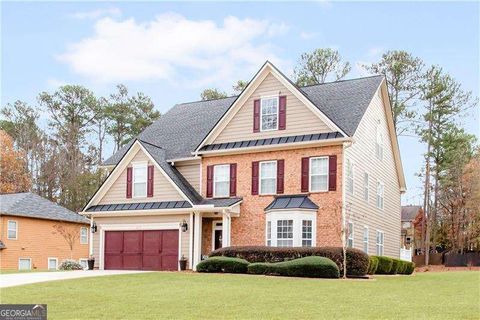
[240, 86]
[70, 233]
[100, 126]
[144, 115]
[13, 171]
[404, 75]
[212, 94]
[318, 66]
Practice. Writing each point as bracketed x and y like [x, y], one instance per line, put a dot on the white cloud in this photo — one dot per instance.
[172, 46]
[307, 35]
[375, 52]
[98, 13]
[54, 83]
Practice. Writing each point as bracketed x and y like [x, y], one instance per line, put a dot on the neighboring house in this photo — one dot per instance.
[278, 165]
[30, 237]
[410, 214]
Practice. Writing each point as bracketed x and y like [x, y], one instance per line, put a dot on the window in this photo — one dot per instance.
[12, 230]
[291, 229]
[366, 184]
[350, 234]
[306, 233]
[24, 264]
[285, 233]
[140, 180]
[380, 191]
[52, 263]
[349, 176]
[221, 180]
[83, 235]
[83, 263]
[379, 143]
[268, 177]
[269, 114]
[380, 243]
[365, 239]
[319, 174]
[269, 233]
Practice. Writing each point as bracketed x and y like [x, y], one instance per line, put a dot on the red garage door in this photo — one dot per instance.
[141, 250]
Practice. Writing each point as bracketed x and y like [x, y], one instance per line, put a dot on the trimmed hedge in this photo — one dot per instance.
[384, 265]
[357, 260]
[372, 264]
[409, 267]
[223, 264]
[395, 266]
[313, 266]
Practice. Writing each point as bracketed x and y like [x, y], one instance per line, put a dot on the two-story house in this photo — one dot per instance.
[278, 165]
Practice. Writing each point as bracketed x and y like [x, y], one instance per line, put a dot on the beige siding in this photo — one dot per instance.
[138, 220]
[191, 172]
[300, 120]
[361, 212]
[163, 190]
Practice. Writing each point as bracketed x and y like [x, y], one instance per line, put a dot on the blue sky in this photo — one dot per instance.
[212, 44]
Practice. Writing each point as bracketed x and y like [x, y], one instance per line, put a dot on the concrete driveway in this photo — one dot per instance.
[18, 279]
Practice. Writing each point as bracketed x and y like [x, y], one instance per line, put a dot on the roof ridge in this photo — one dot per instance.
[199, 101]
[344, 80]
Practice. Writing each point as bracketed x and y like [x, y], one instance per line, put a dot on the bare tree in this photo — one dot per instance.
[69, 233]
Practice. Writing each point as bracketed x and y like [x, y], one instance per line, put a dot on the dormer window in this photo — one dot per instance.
[269, 113]
[139, 180]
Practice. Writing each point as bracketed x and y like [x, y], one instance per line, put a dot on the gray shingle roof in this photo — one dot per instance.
[222, 203]
[292, 202]
[27, 204]
[410, 212]
[182, 128]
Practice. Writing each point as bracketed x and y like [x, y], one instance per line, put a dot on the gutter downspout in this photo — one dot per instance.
[344, 209]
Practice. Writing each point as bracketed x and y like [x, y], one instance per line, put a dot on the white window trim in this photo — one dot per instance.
[142, 164]
[297, 217]
[278, 111]
[366, 188]
[16, 230]
[260, 177]
[351, 234]
[83, 242]
[214, 177]
[86, 262]
[56, 263]
[368, 240]
[266, 232]
[377, 244]
[310, 173]
[30, 259]
[382, 195]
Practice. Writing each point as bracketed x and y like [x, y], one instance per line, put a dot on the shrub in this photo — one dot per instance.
[69, 264]
[384, 265]
[315, 267]
[372, 264]
[395, 266]
[409, 267]
[357, 261]
[402, 266]
[223, 264]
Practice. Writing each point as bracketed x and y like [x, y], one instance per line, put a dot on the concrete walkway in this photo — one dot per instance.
[18, 279]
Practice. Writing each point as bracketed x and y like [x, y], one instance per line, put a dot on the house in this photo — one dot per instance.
[410, 215]
[31, 230]
[277, 165]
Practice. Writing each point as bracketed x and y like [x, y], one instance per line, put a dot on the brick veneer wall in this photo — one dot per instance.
[249, 228]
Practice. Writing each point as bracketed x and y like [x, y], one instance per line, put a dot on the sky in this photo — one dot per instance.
[172, 51]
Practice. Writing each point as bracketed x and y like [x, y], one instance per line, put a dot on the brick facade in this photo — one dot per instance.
[37, 240]
[249, 228]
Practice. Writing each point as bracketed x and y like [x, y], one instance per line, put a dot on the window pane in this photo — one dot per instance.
[269, 111]
[269, 233]
[139, 189]
[365, 186]
[140, 174]
[306, 233]
[52, 264]
[221, 178]
[268, 177]
[222, 189]
[285, 233]
[319, 166]
[12, 230]
[24, 264]
[319, 183]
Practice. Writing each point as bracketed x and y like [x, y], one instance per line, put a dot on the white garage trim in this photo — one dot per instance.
[136, 227]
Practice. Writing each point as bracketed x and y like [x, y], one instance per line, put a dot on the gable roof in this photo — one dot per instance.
[30, 205]
[179, 131]
[410, 212]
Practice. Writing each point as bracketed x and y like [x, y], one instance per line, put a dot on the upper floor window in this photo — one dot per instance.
[379, 143]
[380, 238]
[268, 177]
[12, 230]
[221, 180]
[366, 185]
[83, 235]
[140, 180]
[350, 234]
[269, 114]
[349, 176]
[319, 174]
[380, 194]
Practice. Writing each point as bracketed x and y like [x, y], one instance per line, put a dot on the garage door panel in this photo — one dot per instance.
[113, 262]
[169, 262]
[170, 242]
[132, 242]
[152, 262]
[114, 242]
[151, 242]
[132, 261]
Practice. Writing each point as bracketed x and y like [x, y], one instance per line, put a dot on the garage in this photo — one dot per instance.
[141, 250]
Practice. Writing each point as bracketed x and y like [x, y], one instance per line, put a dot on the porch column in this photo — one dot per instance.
[226, 220]
[190, 241]
[197, 240]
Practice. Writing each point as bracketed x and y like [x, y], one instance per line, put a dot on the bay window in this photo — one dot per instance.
[268, 177]
[319, 174]
[221, 181]
[290, 229]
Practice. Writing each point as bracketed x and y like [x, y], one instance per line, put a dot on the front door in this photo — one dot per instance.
[217, 235]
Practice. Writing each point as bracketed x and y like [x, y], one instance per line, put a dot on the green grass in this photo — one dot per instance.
[447, 295]
[10, 271]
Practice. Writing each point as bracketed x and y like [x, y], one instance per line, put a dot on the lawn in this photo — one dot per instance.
[447, 295]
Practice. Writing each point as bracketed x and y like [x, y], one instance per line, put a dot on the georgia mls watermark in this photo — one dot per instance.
[23, 312]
